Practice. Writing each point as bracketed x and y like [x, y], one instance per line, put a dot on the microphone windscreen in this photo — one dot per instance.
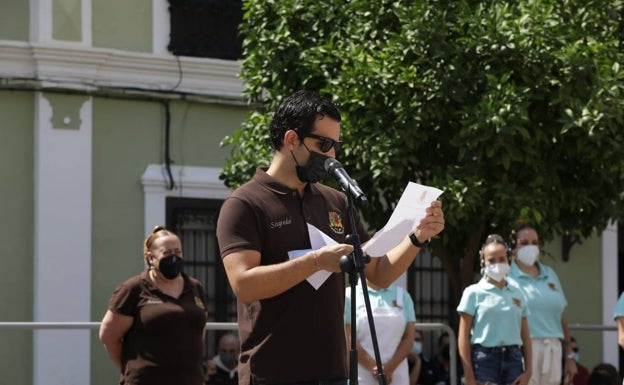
[331, 164]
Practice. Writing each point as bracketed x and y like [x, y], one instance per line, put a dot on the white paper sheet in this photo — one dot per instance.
[318, 239]
[408, 212]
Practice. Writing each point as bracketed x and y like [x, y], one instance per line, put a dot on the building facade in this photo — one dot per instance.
[101, 127]
[105, 133]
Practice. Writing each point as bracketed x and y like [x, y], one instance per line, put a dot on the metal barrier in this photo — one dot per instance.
[592, 327]
[227, 326]
[452, 346]
[234, 326]
[93, 325]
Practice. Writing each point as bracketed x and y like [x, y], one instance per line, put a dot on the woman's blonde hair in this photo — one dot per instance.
[159, 231]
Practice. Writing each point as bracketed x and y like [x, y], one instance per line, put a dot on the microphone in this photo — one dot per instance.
[348, 185]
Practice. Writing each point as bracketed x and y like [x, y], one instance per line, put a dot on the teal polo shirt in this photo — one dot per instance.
[618, 311]
[497, 313]
[387, 297]
[545, 298]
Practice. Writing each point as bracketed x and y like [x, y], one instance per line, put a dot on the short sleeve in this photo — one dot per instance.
[124, 300]
[618, 311]
[236, 227]
[408, 307]
[468, 302]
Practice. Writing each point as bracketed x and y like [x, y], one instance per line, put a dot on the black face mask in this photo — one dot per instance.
[314, 170]
[171, 266]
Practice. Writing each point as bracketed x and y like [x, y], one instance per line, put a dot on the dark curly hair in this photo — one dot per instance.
[299, 112]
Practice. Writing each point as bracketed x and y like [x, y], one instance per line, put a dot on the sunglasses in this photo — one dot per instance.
[326, 143]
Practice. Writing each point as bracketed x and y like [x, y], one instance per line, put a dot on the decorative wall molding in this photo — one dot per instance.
[76, 67]
[190, 182]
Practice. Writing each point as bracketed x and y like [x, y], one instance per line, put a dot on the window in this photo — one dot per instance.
[206, 28]
[428, 284]
[195, 222]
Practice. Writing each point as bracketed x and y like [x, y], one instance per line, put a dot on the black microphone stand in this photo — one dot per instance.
[354, 265]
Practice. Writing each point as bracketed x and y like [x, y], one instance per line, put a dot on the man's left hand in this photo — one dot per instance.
[432, 224]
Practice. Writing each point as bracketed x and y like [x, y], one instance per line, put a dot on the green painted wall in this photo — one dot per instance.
[16, 247]
[66, 20]
[197, 130]
[581, 278]
[122, 24]
[127, 136]
[14, 20]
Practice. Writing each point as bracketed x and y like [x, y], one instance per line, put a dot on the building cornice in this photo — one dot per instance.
[80, 68]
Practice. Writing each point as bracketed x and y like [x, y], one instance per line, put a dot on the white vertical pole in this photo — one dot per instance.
[610, 291]
[62, 246]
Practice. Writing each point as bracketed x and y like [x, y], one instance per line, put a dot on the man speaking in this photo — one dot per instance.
[291, 332]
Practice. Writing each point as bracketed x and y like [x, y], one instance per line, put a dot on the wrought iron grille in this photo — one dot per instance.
[206, 28]
[429, 286]
[195, 222]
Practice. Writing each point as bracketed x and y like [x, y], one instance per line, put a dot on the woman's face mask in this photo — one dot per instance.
[171, 266]
[416, 348]
[528, 254]
[497, 271]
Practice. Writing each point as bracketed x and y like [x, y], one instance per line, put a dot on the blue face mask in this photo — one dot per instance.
[416, 348]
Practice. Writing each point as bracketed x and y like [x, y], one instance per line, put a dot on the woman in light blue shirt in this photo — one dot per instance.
[618, 316]
[493, 339]
[546, 301]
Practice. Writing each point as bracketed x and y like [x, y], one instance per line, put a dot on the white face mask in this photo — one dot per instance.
[528, 254]
[497, 271]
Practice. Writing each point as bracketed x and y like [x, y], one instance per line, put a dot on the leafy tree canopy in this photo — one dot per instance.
[514, 108]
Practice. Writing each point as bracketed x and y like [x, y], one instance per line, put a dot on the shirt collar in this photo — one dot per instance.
[543, 274]
[152, 287]
[277, 187]
[484, 284]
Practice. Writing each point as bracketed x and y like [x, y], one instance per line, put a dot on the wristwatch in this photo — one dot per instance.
[416, 242]
[571, 356]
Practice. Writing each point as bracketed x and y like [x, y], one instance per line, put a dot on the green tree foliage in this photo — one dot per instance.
[514, 108]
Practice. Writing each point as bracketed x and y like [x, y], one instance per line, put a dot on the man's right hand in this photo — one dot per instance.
[329, 256]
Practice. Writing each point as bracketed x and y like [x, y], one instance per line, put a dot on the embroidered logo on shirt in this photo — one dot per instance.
[335, 222]
[517, 302]
[552, 286]
[199, 302]
[395, 304]
[280, 224]
[153, 302]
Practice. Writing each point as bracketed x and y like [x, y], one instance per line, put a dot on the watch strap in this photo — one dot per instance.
[416, 242]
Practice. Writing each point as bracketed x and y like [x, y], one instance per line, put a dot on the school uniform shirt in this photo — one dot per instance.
[165, 343]
[618, 310]
[497, 313]
[544, 297]
[297, 335]
[392, 308]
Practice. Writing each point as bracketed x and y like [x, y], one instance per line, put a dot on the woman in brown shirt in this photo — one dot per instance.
[154, 327]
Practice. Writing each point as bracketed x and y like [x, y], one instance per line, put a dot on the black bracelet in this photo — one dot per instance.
[416, 242]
